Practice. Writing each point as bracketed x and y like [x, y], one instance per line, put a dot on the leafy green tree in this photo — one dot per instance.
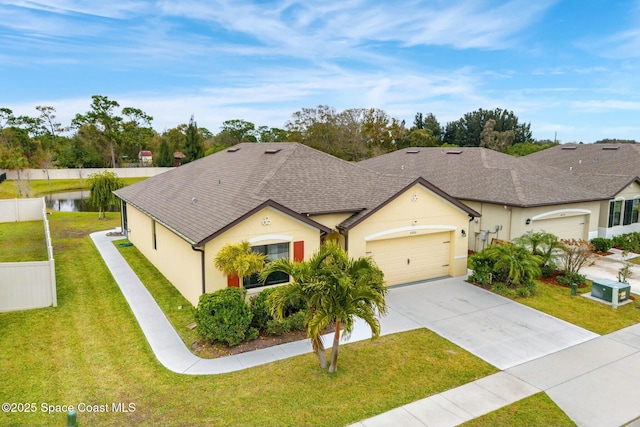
[466, 132]
[102, 116]
[525, 148]
[420, 138]
[494, 140]
[239, 260]
[14, 160]
[136, 131]
[102, 186]
[521, 266]
[236, 131]
[193, 142]
[338, 290]
[165, 154]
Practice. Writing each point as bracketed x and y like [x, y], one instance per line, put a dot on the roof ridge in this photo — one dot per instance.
[517, 186]
[265, 180]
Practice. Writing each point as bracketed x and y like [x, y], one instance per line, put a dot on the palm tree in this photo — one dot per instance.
[521, 265]
[337, 290]
[540, 243]
[239, 260]
[302, 275]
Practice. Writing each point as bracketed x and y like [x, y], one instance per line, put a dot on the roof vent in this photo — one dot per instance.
[271, 150]
[233, 149]
[610, 147]
[454, 151]
[412, 151]
[569, 147]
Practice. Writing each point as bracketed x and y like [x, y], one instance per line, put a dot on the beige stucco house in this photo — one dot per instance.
[286, 199]
[610, 169]
[513, 195]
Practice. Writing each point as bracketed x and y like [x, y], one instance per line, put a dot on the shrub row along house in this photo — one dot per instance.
[416, 211]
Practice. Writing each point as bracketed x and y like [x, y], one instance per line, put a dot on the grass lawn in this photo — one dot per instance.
[23, 241]
[536, 410]
[594, 316]
[37, 188]
[90, 350]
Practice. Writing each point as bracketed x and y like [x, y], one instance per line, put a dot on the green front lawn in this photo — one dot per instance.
[90, 350]
[592, 315]
[536, 410]
[23, 241]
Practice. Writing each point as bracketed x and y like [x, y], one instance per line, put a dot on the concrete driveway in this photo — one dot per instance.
[496, 329]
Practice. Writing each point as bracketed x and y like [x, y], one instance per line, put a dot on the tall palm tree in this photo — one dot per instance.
[239, 260]
[337, 290]
[521, 265]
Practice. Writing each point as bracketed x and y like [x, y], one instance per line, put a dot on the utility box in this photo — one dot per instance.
[605, 289]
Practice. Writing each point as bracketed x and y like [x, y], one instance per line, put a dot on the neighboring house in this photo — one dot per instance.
[610, 169]
[145, 158]
[513, 195]
[286, 199]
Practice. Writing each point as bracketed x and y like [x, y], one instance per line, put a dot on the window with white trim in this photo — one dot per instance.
[273, 252]
[615, 210]
[630, 211]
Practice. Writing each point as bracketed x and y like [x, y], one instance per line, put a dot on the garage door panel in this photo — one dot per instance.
[572, 227]
[410, 259]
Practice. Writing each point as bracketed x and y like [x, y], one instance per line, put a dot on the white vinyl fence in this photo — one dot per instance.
[26, 285]
[83, 173]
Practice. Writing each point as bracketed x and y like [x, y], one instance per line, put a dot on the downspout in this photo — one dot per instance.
[202, 266]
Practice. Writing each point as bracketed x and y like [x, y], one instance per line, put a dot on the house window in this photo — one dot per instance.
[273, 252]
[615, 209]
[630, 212]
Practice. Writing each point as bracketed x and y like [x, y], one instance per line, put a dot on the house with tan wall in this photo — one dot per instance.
[610, 169]
[512, 195]
[286, 199]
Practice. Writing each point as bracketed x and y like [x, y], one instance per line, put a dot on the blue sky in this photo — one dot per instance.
[571, 67]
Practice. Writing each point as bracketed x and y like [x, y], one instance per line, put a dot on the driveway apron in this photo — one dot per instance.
[496, 329]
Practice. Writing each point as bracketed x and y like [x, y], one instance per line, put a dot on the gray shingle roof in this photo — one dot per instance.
[203, 198]
[480, 174]
[607, 168]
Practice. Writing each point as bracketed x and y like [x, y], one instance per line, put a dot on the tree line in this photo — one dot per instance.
[108, 135]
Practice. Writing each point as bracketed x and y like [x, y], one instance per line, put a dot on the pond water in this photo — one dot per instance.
[72, 201]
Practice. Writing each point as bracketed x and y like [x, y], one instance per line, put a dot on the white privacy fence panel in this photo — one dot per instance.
[83, 173]
[26, 285]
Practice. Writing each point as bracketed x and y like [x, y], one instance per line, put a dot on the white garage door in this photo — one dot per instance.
[570, 227]
[409, 259]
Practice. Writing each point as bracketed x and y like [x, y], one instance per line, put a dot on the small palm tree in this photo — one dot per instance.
[543, 244]
[239, 260]
[521, 265]
[337, 290]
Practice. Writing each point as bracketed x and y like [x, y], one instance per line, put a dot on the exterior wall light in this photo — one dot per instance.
[528, 221]
[464, 233]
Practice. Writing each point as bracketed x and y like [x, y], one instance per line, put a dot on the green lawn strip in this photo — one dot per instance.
[91, 350]
[39, 187]
[166, 295]
[592, 315]
[23, 241]
[536, 410]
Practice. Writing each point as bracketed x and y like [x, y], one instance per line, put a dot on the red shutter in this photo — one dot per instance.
[233, 281]
[298, 251]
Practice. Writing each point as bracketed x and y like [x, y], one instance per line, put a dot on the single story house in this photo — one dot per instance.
[513, 195]
[286, 199]
[610, 169]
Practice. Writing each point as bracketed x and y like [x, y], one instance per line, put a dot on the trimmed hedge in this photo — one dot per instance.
[224, 316]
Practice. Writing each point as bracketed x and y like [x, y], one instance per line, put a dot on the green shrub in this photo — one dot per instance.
[601, 244]
[627, 242]
[482, 267]
[528, 290]
[223, 316]
[260, 309]
[295, 322]
[502, 289]
[548, 269]
[568, 279]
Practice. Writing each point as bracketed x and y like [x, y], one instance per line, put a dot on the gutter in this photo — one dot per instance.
[202, 266]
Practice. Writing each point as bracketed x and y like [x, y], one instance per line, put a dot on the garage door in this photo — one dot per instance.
[409, 259]
[571, 227]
